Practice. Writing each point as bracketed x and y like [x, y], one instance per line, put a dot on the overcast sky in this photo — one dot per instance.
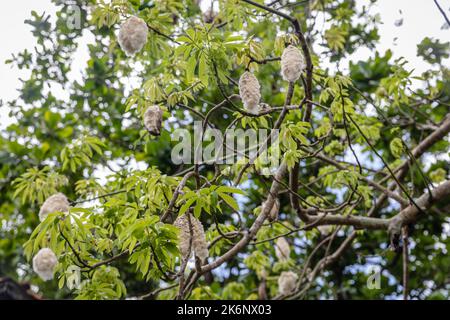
[421, 19]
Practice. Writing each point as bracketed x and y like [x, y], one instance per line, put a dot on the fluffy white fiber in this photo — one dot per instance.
[273, 214]
[287, 282]
[44, 263]
[325, 229]
[292, 63]
[275, 210]
[199, 245]
[249, 90]
[56, 202]
[282, 249]
[153, 120]
[133, 35]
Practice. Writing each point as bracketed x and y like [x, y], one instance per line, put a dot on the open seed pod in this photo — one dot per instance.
[153, 120]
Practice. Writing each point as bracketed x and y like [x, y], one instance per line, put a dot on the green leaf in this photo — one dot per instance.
[230, 190]
[186, 206]
[229, 200]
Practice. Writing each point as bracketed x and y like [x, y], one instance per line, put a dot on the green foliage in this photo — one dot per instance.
[257, 261]
[37, 185]
[336, 37]
[433, 51]
[395, 84]
[207, 199]
[366, 75]
[438, 175]
[234, 291]
[80, 152]
[105, 284]
[396, 146]
[107, 14]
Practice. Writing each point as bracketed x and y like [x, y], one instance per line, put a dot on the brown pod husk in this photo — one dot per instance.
[282, 249]
[274, 211]
[133, 35]
[199, 245]
[249, 91]
[153, 117]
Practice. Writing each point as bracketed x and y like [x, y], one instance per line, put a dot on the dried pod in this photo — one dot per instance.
[249, 90]
[292, 63]
[44, 263]
[273, 214]
[133, 35]
[56, 202]
[325, 229]
[282, 249]
[153, 120]
[184, 236]
[287, 282]
[199, 241]
[199, 245]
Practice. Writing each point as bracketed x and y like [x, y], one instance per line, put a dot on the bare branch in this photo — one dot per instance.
[442, 12]
[411, 213]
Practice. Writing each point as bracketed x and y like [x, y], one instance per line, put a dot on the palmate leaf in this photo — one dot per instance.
[205, 199]
[228, 189]
[80, 152]
[336, 38]
[38, 185]
[185, 207]
[229, 200]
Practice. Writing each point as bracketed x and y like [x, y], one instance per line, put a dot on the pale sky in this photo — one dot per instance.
[421, 19]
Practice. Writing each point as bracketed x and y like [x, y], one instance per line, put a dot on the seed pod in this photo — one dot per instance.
[273, 214]
[56, 202]
[282, 249]
[199, 241]
[249, 90]
[153, 120]
[325, 229]
[287, 282]
[292, 63]
[133, 35]
[199, 245]
[44, 263]
[184, 236]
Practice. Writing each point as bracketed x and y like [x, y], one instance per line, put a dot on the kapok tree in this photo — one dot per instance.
[361, 182]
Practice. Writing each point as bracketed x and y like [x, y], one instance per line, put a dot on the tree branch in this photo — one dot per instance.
[257, 224]
[411, 213]
[442, 11]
